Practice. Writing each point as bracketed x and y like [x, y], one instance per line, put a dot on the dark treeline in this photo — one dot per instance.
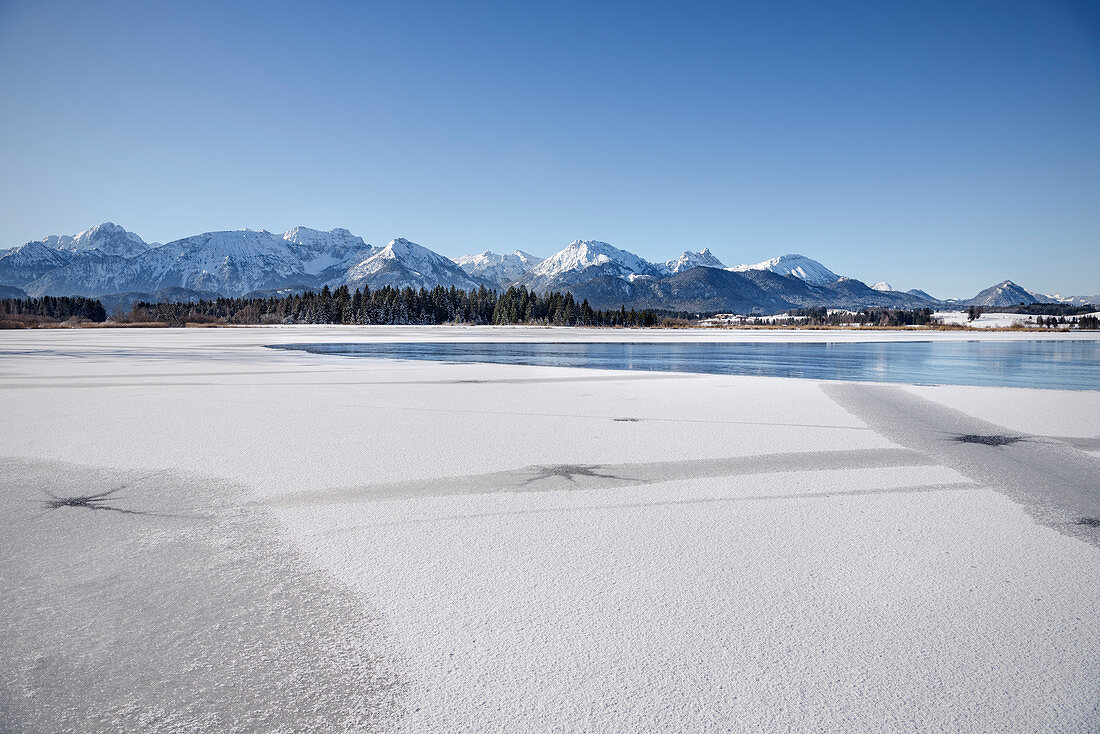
[1045, 309]
[395, 306]
[820, 316]
[439, 306]
[16, 312]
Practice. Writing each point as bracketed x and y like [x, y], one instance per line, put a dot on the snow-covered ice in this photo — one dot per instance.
[537, 548]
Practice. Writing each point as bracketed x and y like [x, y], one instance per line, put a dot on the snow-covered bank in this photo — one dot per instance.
[239, 336]
[996, 320]
[595, 550]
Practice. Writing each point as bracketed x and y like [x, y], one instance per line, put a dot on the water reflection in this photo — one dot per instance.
[1067, 365]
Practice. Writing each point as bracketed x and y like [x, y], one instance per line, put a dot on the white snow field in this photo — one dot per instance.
[285, 541]
[991, 320]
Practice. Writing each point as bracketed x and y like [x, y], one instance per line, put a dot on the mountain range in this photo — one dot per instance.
[119, 267]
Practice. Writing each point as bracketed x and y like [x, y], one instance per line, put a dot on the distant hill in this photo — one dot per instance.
[1005, 293]
[921, 294]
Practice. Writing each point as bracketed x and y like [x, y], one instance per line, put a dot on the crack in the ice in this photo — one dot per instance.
[988, 440]
[100, 500]
[89, 502]
[929, 489]
[567, 471]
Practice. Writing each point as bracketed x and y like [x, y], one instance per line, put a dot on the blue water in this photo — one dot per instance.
[1064, 365]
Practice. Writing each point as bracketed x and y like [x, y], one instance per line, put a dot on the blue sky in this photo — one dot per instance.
[945, 146]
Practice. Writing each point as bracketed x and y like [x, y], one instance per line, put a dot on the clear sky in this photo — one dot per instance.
[945, 146]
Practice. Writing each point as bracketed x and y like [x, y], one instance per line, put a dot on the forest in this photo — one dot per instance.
[27, 312]
[340, 306]
[821, 316]
[392, 306]
[395, 306]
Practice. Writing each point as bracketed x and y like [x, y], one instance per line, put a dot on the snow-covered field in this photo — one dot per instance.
[328, 543]
[993, 320]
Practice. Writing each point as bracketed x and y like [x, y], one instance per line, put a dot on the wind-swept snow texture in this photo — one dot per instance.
[535, 548]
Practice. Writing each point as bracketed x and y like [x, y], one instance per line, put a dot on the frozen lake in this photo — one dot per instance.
[1063, 365]
[204, 534]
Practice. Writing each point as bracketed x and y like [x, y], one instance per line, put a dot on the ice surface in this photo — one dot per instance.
[541, 548]
[173, 606]
[1062, 413]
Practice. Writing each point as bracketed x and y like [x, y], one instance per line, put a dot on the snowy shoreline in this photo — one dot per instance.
[277, 334]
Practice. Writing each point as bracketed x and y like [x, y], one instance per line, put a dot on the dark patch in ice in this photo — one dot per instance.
[610, 475]
[99, 500]
[567, 471]
[89, 502]
[1091, 522]
[162, 626]
[626, 420]
[991, 440]
[1055, 482]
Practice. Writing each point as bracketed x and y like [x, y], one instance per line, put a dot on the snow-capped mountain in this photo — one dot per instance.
[922, 294]
[749, 291]
[20, 266]
[500, 270]
[1005, 293]
[319, 252]
[232, 263]
[106, 239]
[584, 260]
[1071, 300]
[798, 266]
[23, 264]
[402, 263]
[111, 263]
[702, 259]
